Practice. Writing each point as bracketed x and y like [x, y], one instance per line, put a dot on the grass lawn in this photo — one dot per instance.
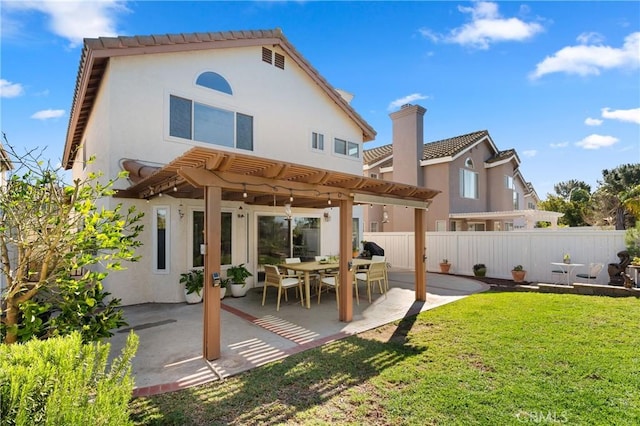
[490, 359]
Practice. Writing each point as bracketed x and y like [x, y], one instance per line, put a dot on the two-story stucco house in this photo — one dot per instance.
[239, 152]
[482, 188]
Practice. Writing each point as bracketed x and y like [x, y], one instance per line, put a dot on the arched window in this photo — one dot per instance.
[468, 163]
[215, 81]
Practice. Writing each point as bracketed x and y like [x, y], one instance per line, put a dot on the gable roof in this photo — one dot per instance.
[97, 51]
[383, 155]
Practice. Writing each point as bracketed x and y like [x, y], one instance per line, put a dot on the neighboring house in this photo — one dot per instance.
[252, 116]
[482, 186]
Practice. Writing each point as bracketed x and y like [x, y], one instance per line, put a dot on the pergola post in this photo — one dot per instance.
[345, 312]
[211, 296]
[420, 255]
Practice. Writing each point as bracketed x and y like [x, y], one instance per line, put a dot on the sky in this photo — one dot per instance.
[559, 82]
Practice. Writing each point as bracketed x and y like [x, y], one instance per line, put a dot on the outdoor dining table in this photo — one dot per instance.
[316, 266]
[567, 268]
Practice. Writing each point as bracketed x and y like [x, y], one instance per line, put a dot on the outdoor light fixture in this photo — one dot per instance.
[287, 210]
[244, 191]
[240, 212]
[181, 210]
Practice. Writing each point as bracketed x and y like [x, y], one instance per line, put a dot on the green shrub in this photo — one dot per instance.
[61, 381]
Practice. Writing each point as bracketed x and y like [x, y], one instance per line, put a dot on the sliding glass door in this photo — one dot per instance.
[280, 237]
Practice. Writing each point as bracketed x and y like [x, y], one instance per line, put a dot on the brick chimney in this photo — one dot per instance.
[408, 144]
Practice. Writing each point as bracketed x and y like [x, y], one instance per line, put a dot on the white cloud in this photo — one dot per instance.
[631, 115]
[75, 20]
[530, 153]
[10, 90]
[559, 145]
[591, 59]
[590, 38]
[592, 121]
[596, 141]
[47, 114]
[486, 27]
[406, 100]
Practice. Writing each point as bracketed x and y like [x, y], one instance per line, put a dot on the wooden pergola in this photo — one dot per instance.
[217, 175]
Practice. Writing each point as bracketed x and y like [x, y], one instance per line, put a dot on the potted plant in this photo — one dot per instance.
[479, 270]
[356, 252]
[238, 275]
[518, 273]
[445, 266]
[193, 283]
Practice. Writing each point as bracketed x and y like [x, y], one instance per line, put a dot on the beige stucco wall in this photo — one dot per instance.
[130, 120]
[285, 104]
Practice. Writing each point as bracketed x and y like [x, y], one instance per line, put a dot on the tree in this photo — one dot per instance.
[48, 230]
[572, 199]
[618, 195]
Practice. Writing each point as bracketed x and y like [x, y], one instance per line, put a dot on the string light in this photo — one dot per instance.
[244, 191]
[291, 196]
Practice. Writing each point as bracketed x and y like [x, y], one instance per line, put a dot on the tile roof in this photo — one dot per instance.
[432, 150]
[503, 155]
[97, 52]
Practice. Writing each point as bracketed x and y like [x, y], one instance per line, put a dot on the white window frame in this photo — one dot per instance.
[317, 141]
[167, 236]
[213, 105]
[373, 226]
[463, 188]
[509, 182]
[347, 144]
[473, 227]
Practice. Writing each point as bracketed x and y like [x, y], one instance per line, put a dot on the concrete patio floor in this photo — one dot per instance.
[170, 353]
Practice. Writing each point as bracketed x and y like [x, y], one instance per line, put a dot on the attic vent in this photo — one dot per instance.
[279, 62]
[266, 55]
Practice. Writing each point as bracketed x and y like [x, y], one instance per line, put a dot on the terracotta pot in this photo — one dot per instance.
[444, 268]
[518, 276]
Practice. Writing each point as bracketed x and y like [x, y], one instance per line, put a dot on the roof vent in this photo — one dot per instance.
[266, 55]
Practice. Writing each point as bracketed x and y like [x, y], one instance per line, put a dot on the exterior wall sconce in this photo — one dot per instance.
[240, 213]
[181, 211]
[385, 217]
[287, 211]
[327, 217]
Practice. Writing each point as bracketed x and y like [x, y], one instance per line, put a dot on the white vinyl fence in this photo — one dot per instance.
[501, 251]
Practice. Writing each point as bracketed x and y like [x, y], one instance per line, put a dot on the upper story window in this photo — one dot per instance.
[468, 184]
[373, 175]
[468, 181]
[508, 182]
[342, 147]
[214, 81]
[516, 201]
[204, 123]
[317, 141]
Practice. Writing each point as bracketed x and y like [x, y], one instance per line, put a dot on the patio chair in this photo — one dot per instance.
[560, 276]
[374, 273]
[332, 280]
[592, 272]
[273, 278]
[378, 258]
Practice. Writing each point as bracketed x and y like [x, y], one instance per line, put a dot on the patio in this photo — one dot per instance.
[170, 353]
